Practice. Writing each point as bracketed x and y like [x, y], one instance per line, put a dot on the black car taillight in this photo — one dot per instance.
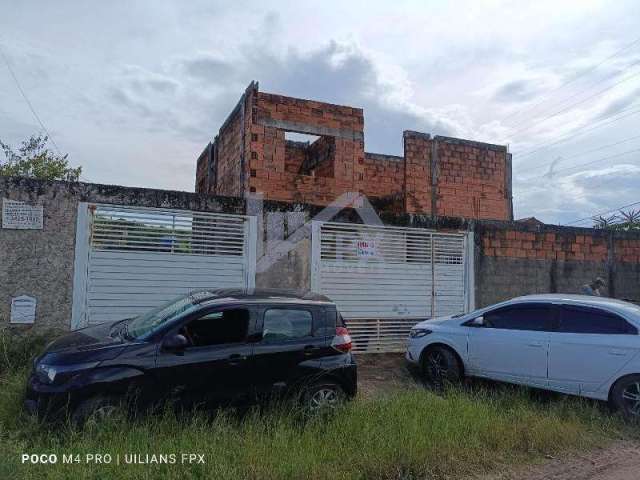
[342, 340]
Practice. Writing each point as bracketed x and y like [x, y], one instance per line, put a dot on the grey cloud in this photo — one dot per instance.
[517, 91]
[147, 82]
[209, 69]
[335, 73]
[342, 74]
[568, 198]
[157, 84]
[121, 97]
[618, 105]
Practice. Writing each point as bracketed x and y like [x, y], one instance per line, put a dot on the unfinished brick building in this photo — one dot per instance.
[438, 175]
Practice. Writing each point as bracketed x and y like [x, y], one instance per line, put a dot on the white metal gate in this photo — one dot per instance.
[385, 279]
[131, 259]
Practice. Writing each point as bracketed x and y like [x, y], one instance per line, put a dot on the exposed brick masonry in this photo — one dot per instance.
[594, 247]
[517, 259]
[553, 246]
[437, 176]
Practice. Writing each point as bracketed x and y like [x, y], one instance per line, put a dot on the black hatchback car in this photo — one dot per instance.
[210, 347]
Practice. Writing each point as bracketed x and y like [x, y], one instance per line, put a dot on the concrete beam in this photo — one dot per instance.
[311, 129]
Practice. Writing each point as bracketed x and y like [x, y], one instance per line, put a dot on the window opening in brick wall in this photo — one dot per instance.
[310, 154]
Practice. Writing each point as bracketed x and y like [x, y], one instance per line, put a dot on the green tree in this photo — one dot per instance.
[34, 159]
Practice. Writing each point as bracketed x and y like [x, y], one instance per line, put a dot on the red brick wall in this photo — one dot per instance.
[201, 169]
[383, 175]
[627, 250]
[549, 246]
[228, 159]
[470, 177]
[593, 247]
[229, 153]
[268, 149]
[417, 178]
[471, 181]
[515, 259]
[439, 176]
[320, 158]
[295, 156]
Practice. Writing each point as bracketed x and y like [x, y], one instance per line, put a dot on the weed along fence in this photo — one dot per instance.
[385, 279]
[93, 253]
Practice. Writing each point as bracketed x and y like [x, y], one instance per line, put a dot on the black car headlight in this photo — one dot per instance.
[419, 332]
[50, 374]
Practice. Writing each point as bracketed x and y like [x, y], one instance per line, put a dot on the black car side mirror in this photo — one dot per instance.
[175, 343]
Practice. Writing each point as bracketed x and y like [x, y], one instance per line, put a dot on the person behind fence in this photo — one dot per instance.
[594, 288]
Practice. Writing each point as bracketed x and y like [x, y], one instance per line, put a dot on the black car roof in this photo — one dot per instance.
[262, 295]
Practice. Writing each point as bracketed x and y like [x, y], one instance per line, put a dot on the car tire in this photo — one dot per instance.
[440, 366]
[95, 410]
[322, 396]
[625, 397]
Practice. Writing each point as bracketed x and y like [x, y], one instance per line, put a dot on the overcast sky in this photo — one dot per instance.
[133, 90]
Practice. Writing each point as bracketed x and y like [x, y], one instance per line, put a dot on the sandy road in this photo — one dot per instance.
[618, 461]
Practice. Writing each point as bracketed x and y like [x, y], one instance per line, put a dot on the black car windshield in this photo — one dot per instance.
[143, 325]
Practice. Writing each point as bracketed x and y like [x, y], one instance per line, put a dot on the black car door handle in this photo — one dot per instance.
[310, 350]
[236, 358]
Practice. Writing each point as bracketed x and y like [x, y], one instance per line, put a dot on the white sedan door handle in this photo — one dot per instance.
[534, 344]
[617, 353]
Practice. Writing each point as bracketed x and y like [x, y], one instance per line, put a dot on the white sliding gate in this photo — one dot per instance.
[131, 259]
[385, 279]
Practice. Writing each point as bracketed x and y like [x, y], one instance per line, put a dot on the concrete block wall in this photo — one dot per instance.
[40, 263]
[513, 259]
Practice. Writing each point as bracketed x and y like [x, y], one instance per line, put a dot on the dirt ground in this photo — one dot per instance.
[619, 461]
[381, 373]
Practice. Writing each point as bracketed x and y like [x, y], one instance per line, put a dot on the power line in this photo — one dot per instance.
[585, 153]
[597, 185]
[593, 84]
[585, 195]
[579, 131]
[26, 99]
[596, 161]
[33, 111]
[526, 109]
[569, 107]
[602, 213]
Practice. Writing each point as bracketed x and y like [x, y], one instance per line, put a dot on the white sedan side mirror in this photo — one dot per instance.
[478, 321]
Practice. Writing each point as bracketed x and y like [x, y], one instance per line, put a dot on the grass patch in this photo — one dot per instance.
[408, 434]
[18, 348]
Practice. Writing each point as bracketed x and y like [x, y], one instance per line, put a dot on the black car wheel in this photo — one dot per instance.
[440, 365]
[95, 410]
[625, 396]
[323, 396]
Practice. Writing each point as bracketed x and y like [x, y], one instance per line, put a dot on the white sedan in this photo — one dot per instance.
[575, 344]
